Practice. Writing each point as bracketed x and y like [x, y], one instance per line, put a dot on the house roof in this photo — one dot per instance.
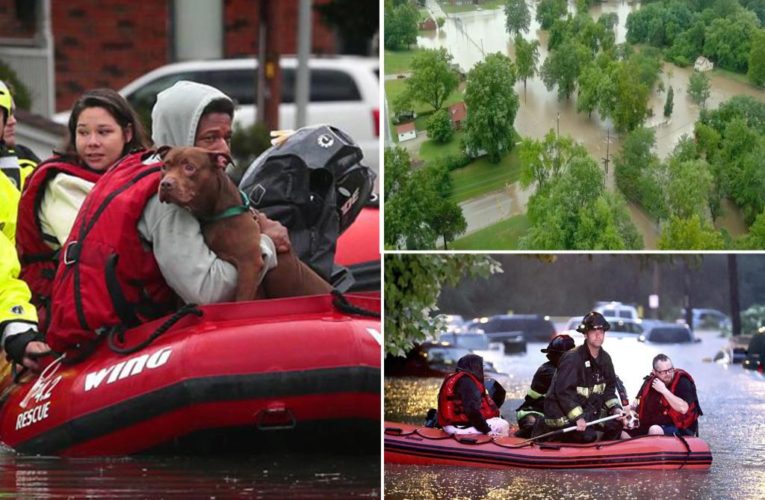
[457, 112]
[405, 127]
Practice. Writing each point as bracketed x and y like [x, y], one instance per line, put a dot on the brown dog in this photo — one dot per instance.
[194, 178]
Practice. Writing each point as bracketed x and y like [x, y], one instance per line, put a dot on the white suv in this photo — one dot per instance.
[344, 92]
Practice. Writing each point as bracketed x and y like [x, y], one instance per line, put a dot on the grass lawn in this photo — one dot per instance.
[500, 236]
[431, 150]
[489, 4]
[394, 88]
[482, 177]
[399, 61]
[739, 77]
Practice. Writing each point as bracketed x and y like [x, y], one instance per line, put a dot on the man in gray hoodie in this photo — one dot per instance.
[193, 114]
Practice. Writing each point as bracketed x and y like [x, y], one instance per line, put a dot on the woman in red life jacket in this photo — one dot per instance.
[667, 403]
[464, 405]
[103, 128]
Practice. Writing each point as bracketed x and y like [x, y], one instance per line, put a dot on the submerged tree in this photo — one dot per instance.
[698, 88]
[669, 103]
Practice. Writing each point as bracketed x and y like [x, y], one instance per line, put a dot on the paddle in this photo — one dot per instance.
[572, 428]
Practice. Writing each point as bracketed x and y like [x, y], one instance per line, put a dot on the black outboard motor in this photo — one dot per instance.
[314, 184]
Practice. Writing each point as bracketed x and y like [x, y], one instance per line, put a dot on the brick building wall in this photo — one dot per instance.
[108, 43]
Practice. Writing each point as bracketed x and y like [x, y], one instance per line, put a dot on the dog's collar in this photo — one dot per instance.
[231, 212]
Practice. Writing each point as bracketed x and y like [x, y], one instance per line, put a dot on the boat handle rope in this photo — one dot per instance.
[342, 304]
[119, 331]
[688, 450]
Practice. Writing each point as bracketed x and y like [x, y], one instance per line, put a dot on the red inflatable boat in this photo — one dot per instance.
[229, 376]
[409, 444]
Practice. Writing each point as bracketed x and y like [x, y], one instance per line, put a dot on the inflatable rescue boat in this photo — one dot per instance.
[410, 444]
[222, 377]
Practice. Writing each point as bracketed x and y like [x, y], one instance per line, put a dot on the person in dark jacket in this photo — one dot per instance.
[667, 403]
[464, 405]
[583, 387]
[533, 407]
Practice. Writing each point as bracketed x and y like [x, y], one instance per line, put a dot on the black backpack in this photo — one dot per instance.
[314, 184]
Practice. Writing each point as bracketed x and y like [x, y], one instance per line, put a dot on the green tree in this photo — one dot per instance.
[631, 101]
[669, 103]
[432, 77]
[548, 11]
[402, 104]
[417, 208]
[756, 72]
[398, 166]
[690, 234]
[727, 40]
[491, 107]
[400, 26]
[447, 220]
[545, 160]
[439, 126]
[517, 17]
[698, 88]
[574, 212]
[755, 239]
[688, 189]
[632, 163]
[413, 283]
[562, 68]
[526, 59]
[591, 82]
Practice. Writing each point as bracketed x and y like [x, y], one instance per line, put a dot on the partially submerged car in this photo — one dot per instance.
[431, 359]
[668, 333]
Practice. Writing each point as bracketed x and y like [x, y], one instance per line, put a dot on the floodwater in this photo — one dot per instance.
[468, 36]
[283, 475]
[733, 401]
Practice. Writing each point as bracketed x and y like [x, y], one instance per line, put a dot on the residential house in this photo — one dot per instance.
[457, 114]
[406, 132]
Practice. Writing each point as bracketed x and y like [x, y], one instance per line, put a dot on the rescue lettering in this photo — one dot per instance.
[128, 368]
[32, 416]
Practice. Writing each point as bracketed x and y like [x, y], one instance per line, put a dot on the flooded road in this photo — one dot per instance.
[469, 36]
[733, 401]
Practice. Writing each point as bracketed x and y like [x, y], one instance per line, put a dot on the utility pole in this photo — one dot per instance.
[608, 143]
[303, 75]
[735, 306]
[269, 76]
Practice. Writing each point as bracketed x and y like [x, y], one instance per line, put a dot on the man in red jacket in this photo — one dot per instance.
[667, 402]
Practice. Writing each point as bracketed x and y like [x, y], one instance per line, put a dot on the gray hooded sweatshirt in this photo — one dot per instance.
[186, 262]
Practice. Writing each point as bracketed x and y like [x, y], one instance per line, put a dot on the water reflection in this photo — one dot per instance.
[282, 476]
[733, 401]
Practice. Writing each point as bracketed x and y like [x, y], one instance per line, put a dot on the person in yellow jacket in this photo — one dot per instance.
[18, 317]
[16, 161]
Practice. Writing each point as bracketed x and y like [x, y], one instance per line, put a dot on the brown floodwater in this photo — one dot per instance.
[469, 36]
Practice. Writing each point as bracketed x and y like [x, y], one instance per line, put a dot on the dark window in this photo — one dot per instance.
[327, 85]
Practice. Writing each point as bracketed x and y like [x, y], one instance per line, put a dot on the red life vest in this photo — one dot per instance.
[106, 276]
[450, 410]
[38, 260]
[647, 397]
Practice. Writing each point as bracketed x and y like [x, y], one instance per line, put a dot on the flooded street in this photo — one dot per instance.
[469, 36]
[733, 401]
